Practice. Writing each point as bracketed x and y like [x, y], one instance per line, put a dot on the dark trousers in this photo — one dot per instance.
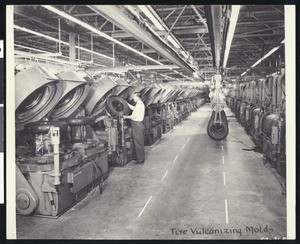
[138, 139]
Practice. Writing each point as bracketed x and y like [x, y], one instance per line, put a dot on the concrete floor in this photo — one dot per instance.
[190, 187]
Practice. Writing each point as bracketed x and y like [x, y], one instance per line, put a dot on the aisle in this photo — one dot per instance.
[190, 187]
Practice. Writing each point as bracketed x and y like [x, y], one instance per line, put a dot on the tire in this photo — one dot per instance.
[218, 131]
[116, 106]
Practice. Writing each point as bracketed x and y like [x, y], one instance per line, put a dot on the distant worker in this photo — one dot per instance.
[216, 98]
[137, 126]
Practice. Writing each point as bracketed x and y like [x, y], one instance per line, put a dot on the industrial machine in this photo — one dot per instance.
[71, 129]
[120, 137]
[153, 123]
[51, 175]
[263, 115]
[58, 157]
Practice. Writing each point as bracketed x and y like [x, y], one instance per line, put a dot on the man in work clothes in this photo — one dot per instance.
[137, 126]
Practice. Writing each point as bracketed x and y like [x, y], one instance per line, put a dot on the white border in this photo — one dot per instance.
[10, 125]
[290, 59]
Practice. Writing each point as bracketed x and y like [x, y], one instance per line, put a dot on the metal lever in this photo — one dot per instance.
[55, 140]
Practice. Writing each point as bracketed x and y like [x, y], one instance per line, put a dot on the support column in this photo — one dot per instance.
[72, 53]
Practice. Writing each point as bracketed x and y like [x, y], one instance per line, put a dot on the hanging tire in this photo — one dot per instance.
[116, 106]
[218, 131]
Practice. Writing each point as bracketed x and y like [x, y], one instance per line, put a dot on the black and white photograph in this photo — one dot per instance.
[150, 122]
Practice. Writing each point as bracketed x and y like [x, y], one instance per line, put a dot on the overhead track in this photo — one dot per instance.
[214, 14]
[217, 26]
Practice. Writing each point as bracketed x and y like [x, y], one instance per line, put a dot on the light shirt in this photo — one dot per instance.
[213, 97]
[138, 111]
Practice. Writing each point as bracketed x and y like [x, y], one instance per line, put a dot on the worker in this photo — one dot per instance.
[214, 99]
[137, 126]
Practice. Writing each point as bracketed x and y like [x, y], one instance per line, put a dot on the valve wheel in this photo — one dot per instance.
[26, 204]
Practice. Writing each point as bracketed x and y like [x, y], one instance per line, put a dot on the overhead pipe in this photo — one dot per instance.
[218, 29]
[118, 17]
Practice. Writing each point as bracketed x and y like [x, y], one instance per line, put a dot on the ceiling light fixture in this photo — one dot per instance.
[96, 31]
[233, 20]
[265, 56]
[151, 17]
[160, 27]
[36, 50]
[59, 41]
[32, 55]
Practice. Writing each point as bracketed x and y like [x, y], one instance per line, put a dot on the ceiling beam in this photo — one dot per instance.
[199, 16]
[245, 68]
[278, 10]
[121, 19]
[163, 9]
[280, 33]
[253, 11]
[136, 68]
[194, 30]
[273, 29]
[204, 58]
[277, 21]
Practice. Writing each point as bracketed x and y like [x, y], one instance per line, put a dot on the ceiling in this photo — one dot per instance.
[179, 38]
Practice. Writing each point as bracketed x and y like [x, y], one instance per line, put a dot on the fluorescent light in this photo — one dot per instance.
[31, 48]
[243, 73]
[59, 41]
[266, 55]
[269, 53]
[159, 26]
[233, 20]
[39, 34]
[151, 17]
[96, 31]
[184, 54]
[174, 43]
[256, 63]
[31, 55]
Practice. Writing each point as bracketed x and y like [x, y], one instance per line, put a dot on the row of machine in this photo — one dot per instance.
[70, 131]
[260, 108]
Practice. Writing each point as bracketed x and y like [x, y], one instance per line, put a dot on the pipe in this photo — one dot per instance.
[55, 136]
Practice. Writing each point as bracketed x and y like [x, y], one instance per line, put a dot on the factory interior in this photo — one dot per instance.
[212, 82]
